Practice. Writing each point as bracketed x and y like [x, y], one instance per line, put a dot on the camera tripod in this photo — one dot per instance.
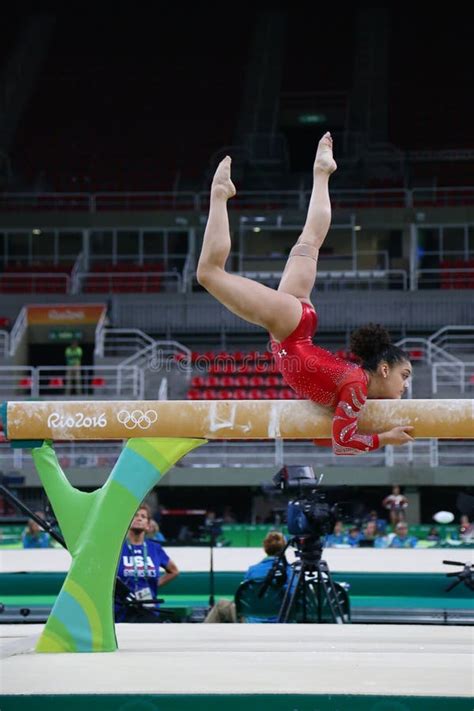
[212, 531]
[310, 583]
[466, 575]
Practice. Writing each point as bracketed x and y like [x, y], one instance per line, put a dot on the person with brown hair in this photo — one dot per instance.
[291, 320]
[273, 544]
[139, 568]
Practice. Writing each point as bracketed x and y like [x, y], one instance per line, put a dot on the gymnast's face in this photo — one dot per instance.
[395, 379]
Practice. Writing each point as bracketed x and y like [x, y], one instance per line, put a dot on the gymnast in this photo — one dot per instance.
[291, 320]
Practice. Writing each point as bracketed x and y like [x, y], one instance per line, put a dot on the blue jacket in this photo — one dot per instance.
[40, 540]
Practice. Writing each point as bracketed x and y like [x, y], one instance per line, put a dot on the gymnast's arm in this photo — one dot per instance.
[346, 439]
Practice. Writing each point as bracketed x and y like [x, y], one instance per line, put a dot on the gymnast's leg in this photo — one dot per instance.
[300, 271]
[276, 311]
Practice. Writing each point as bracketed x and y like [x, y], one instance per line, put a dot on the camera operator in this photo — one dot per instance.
[139, 568]
[273, 544]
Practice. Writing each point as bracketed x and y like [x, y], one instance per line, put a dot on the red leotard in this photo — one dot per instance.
[318, 375]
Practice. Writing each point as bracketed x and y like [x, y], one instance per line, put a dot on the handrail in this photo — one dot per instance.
[188, 271]
[120, 334]
[443, 195]
[135, 331]
[99, 336]
[340, 277]
[36, 201]
[79, 265]
[163, 389]
[151, 200]
[197, 201]
[446, 271]
[462, 365]
[129, 376]
[14, 374]
[433, 352]
[7, 277]
[437, 358]
[4, 344]
[128, 277]
[162, 354]
[174, 347]
[18, 330]
[339, 257]
[440, 337]
[422, 452]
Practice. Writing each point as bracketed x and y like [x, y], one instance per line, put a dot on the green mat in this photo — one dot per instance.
[234, 702]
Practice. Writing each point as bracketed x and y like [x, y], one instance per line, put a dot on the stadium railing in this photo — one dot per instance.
[264, 200]
[96, 381]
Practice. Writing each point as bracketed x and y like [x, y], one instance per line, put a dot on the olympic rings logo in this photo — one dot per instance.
[137, 418]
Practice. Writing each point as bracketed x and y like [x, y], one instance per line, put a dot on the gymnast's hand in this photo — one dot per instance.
[397, 435]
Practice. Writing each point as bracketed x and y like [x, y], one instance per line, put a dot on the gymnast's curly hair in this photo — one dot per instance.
[372, 345]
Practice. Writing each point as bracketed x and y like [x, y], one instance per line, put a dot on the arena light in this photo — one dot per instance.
[312, 119]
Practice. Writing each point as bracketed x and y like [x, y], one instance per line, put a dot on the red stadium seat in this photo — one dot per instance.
[197, 381]
[225, 394]
[227, 381]
[25, 383]
[194, 394]
[56, 383]
[219, 367]
[228, 367]
[287, 394]
[256, 381]
[447, 274]
[255, 394]
[241, 381]
[470, 276]
[209, 394]
[240, 394]
[98, 383]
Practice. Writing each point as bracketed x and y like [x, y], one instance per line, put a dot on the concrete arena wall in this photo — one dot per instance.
[425, 310]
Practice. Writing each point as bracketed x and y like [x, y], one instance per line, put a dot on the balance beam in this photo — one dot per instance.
[227, 419]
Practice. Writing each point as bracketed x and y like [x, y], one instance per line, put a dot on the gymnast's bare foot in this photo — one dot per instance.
[222, 186]
[324, 161]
